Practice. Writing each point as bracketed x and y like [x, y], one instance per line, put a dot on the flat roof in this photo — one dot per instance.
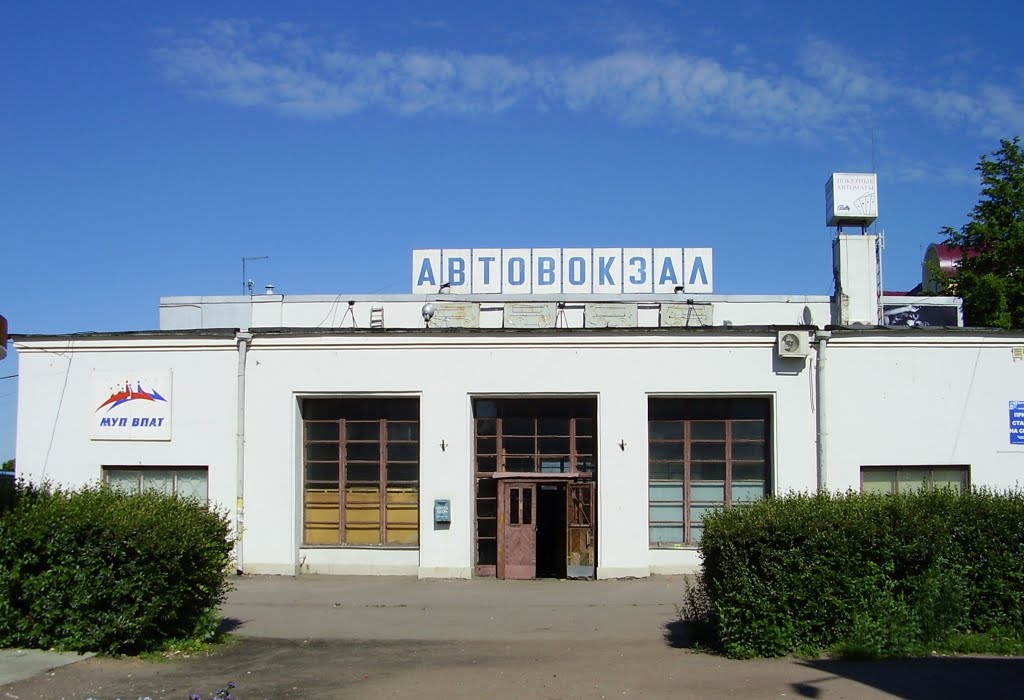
[672, 330]
[500, 298]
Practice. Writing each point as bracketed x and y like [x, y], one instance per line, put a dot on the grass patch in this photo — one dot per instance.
[188, 647]
[995, 643]
[209, 636]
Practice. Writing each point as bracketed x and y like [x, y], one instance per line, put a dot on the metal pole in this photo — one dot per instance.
[245, 280]
[822, 424]
[243, 339]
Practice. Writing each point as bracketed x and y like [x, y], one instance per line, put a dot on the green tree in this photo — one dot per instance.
[990, 276]
[8, 466]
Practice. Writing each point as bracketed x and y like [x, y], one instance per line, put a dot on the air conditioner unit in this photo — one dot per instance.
[794, 344]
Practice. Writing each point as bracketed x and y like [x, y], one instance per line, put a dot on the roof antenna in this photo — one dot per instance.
[246, 282]
[874, 170]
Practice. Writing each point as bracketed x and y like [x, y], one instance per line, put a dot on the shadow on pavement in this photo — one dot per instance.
[917, 679]
[686, 634]
[229, 624]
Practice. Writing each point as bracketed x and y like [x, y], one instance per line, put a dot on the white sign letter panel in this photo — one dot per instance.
[668, 269]
[636, 271]
[426, 271]
[577, 277]
[546, 269]
[486, 270]
[607, 270]
[516, 271]
[698, 267]
[456, 269]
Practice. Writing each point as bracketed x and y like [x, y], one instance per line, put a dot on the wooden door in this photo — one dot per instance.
[517, 531]
[580, 531]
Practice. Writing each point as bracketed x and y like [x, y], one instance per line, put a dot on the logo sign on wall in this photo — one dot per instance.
[563, 270]
[131, 405]
[1017, 422]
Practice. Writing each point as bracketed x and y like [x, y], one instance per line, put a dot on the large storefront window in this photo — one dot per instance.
[361, 469]
[704, 454]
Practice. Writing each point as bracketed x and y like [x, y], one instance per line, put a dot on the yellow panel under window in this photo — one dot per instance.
[316, 533]
[407, 537]
[322, 496]
[362, 495]
[362, 534]
[402, 515]
[321, 514]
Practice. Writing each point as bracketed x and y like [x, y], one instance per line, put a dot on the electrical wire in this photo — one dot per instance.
[60, 403]
[9, 376]
[967, 398]
[333, 309]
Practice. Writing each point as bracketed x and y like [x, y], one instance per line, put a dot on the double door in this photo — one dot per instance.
[566, 528]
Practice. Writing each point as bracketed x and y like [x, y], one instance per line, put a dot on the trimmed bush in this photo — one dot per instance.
[867, 575]
[98, 570]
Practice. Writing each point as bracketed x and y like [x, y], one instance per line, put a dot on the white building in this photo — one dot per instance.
[567, 435]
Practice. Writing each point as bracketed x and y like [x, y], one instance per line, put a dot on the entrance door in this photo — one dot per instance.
[579, 501]
[517, 536]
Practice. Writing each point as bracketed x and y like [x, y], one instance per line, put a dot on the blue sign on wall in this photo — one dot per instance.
[442, 511]
[1017, 422]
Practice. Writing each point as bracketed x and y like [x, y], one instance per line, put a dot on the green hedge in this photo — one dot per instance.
[97, 570]
[880, 574]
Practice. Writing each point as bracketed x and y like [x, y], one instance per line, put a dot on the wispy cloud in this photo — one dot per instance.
[294, 72]
[925, 172]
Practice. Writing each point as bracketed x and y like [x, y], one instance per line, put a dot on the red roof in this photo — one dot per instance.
[948, 256]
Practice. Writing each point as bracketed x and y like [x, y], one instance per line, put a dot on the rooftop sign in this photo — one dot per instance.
[563, 270]
[851, 198]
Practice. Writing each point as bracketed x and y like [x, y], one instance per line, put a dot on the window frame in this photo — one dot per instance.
[383, 484]
[175, 470]
[965, 469]
[502, 434]
[729, 461]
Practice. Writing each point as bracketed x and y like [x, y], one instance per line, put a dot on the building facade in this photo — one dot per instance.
[574, 436]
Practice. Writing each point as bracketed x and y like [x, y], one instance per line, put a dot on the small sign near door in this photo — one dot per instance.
[442, 511]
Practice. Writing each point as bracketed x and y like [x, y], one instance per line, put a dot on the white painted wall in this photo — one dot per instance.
[934, 400]
[893, 398]
[446, 372]
[56, 403]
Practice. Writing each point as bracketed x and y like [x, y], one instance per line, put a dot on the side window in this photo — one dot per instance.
[908, 479]
[185, 482]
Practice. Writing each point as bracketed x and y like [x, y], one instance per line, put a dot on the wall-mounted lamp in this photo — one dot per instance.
[444, 445]
[445, 288]
[622, 445]
[679, 290]
[428, 313]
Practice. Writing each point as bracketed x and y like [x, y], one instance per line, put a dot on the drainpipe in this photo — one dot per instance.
[819, 368]
[243, 338]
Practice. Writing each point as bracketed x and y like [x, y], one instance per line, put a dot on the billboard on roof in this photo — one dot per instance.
[563, 270]
[851, 198]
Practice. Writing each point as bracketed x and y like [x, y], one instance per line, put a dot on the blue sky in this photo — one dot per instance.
[146, 147]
